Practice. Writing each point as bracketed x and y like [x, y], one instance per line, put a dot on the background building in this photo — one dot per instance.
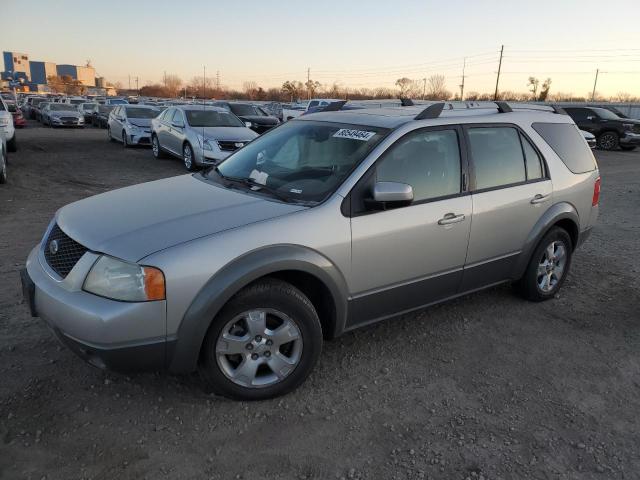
[16, 65]
[40, 71]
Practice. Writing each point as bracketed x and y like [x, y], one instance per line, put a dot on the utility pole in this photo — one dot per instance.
[164, 79]
[495, 95]
[424, 87]
[464, 65]
[129, 82]
[218, 80]
[595, 84]
[308, 84]
[137, 86]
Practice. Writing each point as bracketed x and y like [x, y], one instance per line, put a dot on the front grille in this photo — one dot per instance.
[229, 146]
[67, 253]
[69, 119]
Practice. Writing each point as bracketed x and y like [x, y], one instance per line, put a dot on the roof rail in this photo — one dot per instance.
[406, 102]
[432, 111]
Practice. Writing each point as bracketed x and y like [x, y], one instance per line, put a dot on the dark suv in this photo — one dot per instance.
[610, 130]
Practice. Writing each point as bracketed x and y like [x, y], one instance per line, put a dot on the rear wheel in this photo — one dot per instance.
[264, 343]
[109, 137]
[548, 267]
[608, 141]
[156, 148]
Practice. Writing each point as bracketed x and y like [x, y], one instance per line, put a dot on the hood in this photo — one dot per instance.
[242, 134]
[259, 119]
[141, 122]
[133, 222]
[65, 113]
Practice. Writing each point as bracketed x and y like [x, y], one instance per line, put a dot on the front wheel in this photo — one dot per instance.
[548, 267]
[125, 142]
[12, 145]
[188, 158]
[156, 148]
[263, 344]
[109, 136]
[608, 141]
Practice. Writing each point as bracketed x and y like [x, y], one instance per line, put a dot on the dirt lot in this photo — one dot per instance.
[488, 386]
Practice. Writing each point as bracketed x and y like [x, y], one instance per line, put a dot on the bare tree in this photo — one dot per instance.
[544, 93]
[404, 84]
[250, 89]
[533, 86]
[312, 87]
[293, 89]
[436, 88]
[201, 87]
[172, 84]
[623, 97]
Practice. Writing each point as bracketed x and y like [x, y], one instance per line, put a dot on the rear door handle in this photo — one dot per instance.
[450, 218]
[539, 199]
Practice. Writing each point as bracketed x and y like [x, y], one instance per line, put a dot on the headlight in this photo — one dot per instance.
[128, 282]
[4, 122]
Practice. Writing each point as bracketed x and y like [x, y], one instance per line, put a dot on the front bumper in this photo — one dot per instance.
[140, 137]
[122, 336]
[210, 157]
[630, 139]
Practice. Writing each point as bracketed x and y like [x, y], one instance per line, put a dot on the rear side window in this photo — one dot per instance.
[566, 140]
[497, 157]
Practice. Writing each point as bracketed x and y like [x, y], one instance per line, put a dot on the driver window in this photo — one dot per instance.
[177, 118]
[429, 161]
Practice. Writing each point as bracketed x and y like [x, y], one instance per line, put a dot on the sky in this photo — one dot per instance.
[350, 42]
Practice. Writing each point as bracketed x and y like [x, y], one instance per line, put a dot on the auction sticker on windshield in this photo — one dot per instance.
[354, 134]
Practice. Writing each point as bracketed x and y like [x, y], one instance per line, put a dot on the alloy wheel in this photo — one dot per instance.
[551, 266]
[608, 141]
[259, 348]
[155, 146]
[187, 154]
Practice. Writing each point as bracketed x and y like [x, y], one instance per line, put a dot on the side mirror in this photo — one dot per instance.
[248, 124]
[391, 194]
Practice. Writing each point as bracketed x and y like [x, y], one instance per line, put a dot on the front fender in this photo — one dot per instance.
[238, 274]
[555, 213]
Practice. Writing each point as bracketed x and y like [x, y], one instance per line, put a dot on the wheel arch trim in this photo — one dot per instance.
[239, 273]
[554, 214]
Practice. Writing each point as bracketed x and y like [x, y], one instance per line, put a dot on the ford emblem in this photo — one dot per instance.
[54, 247]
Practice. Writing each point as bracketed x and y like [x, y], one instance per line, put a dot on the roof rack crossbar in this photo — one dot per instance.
[432, 111]
[406, 102]
[334, 106]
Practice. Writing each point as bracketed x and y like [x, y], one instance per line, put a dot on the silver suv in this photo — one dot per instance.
[326, 223]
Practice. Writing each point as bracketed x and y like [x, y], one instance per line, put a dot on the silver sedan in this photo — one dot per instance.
[198, 134]
[131, 124]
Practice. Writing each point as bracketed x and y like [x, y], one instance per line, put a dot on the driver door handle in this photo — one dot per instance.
[450, 218]
[539, 198]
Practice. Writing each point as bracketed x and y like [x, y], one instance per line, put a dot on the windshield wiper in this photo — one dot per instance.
[251, 183]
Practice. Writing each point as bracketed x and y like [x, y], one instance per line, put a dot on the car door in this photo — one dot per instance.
[407, 257]
[176, 132]
[511, 190]
[162, 128]
[113, 122]
[584, 118]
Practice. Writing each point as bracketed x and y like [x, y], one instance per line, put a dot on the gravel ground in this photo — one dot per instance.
[487, 386]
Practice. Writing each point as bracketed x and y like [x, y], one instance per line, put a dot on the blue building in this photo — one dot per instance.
[41, 71]
[16, 65]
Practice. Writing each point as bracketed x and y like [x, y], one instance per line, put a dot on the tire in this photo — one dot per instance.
[125, 143]
[109, 137]
[156, 148]
[3, 170]
[628, 148]
[188, 157]
[532, 285]
[280, 302]
[608, 141]
[12, 145]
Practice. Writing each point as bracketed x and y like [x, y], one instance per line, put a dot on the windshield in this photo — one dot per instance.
[239, 109]
[306, 161]
[88, 106]
[137, 112]
[105, 108]
[118, 102]
[62, 107]
[606, 114]
[74, 101]
[212, 118]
